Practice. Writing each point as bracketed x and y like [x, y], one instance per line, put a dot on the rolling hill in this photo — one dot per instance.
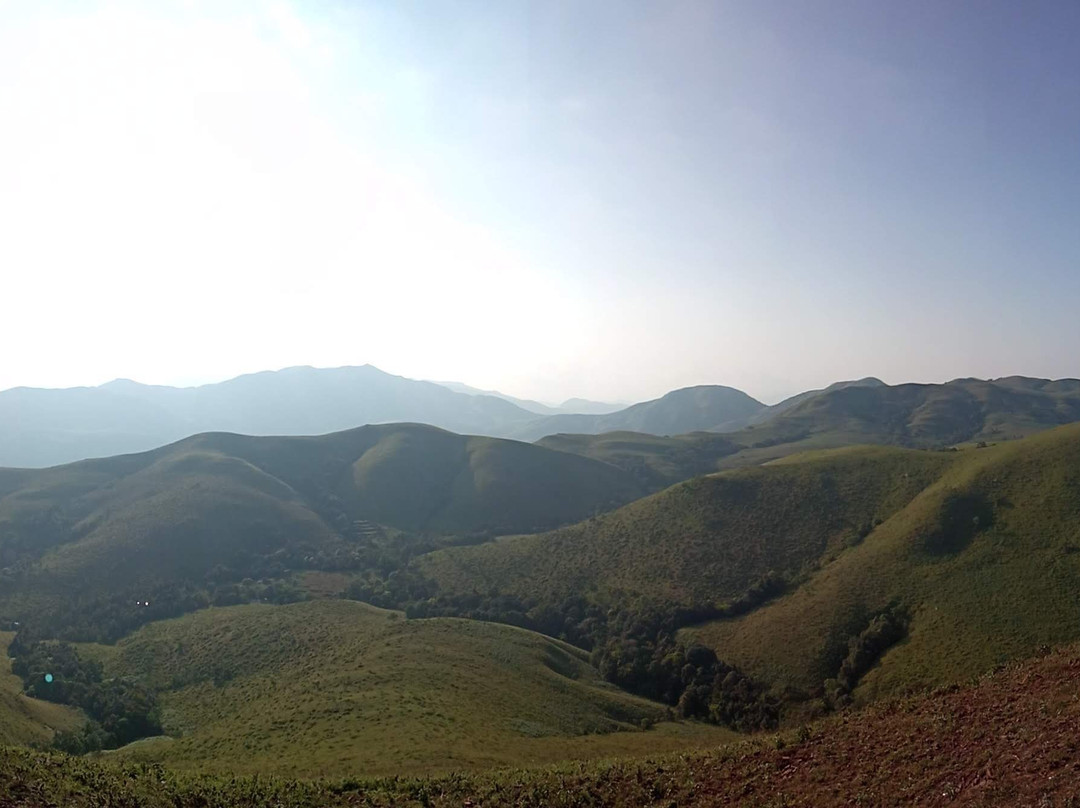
[228, 507]
[911, 415]
[336, 687]
[690, 409]
[959, 560]
[865, 411]
[655, 460]
[1007, 739]
[985, 561]
[704, 540]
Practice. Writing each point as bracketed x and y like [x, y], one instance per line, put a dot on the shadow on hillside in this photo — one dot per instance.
[962, 517]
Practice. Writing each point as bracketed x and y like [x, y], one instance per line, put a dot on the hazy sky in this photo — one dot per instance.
[598, 198]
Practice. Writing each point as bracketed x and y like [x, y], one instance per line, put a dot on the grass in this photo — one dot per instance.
[24, 720]
[976, 598]
[705, 540]
[912, 415]
[337, 687]
[254, 505]
[657, 461]
[1008, 739]
[977, 594]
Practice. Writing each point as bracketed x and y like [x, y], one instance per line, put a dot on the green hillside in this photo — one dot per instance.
[942, 564]
[912, 415]
[923, 416]
[24, 720]
[705, 540]
[87, 543]
[681, 411]
[986, 561]
[337, 687]
[654, 460]
[1008, 739]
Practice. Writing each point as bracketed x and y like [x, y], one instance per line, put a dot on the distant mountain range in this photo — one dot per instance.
[569, 407]
[41, 428]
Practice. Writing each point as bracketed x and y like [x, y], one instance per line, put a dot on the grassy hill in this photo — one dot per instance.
[25, 720]
[986, 560]
[1009, 739]
[337, 687]
[911, 415]
[687, 410]
[224, 508]
[654, 460]
[860, 412]
[704, 540]
[968, 558]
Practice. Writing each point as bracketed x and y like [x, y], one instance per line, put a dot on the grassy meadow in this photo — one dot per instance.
[336, 687]
[1006, 739]
[978, 593]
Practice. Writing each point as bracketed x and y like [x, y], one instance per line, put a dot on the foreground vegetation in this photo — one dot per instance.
[335, 687]
[1010, 739]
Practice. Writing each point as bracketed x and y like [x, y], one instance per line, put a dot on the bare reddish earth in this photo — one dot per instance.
[1014, 739]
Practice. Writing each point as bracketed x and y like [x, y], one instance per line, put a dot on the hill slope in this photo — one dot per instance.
[705, 540]
[985, 561]
[680, 411]
[941, 563]
[1007, 740]
[654, 460]
[911, 415]
[337, 687]
[231, 507]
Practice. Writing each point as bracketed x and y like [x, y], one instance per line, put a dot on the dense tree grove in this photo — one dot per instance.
[121, 711]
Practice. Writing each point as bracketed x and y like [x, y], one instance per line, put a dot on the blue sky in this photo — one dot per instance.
[607, 199]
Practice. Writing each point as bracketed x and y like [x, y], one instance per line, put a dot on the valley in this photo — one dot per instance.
[402, 599]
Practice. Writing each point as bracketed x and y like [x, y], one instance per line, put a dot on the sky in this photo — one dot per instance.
[598, 198]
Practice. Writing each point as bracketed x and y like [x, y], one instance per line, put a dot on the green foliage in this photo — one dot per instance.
[1024, 720]
[220, 519]
[926, 416]
[655, 461]
[121, 711]
[983, 563]
[336, 686]
[702, 544]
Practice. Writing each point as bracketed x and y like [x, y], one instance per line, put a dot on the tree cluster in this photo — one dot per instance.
[120, 710]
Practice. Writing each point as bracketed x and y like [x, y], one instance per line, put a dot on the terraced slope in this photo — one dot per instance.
[337, 687]
[1010, 739]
